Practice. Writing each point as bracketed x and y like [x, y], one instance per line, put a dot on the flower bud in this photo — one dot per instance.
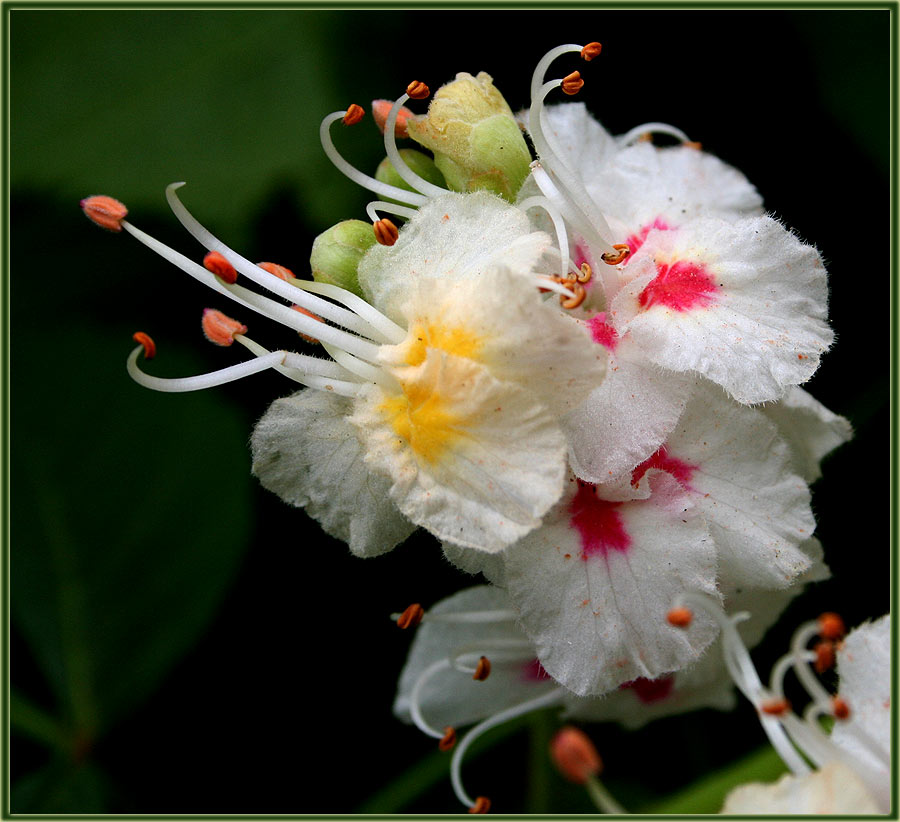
[476, 141]
[420, 163]
[336, 253]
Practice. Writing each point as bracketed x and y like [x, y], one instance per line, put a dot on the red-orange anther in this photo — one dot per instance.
[448, 740]
[482, 669]
[386, 232]
[775, 707]
[578, 296]
[219, 328]
[574, 755]
[380, 111]
[104, 211]
[411, 617]
[840, 708]
[590, 51]
[824, 652]
[610, 258]
[301, 310]
[585, 274]
[572, 83]
[146, 341]
[482, 805]
[646, 137]
[680, 617]
[417, 90]
[278, 270]
[693, 144]
[831, 626]
[219, 266]
[354, 115]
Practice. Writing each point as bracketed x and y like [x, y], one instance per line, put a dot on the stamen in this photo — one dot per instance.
[380, 111]
[421, 185]
[831, 626]
[354, 114]
[386, 232]
[575, 755]
[825, 656]
[590, 51]
[411, 617]
[680, 617]
[572, 83]
[375, 206]
[562, 238]
[147, 342]
[693, 144]
[482, 805]
[448, 740]
[415, 708]
[839, 708]
[104, 211]
[611, 258]
[305, 313]
[279, 271]
[483, 670]
[218, 265]
[576, 299]
[417, 90]
[639, 132]
[775, 707]
[219, 328]
[585, 273]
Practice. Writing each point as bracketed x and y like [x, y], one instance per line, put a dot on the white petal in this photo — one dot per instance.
[625, 419]
[306, 452]
[742, 303]
[834, 790]
[455, 237]
[739, 471]
[810, 429]
[475, 460]
[452, 697]
[598, 618]
[584, 145]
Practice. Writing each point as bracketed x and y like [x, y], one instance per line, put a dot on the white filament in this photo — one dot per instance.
[375, 206]
[399, 164]
[653, 128]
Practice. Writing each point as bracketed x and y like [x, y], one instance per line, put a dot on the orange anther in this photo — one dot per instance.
[279, 271]
[219, 328]
[354, 115]
[693, 144]
[104, 211]
[614, 259]
[680, 617]
[574, 755]
[646, 137]
[578, 295]
[219, 266]
[448, 740]
[824, 652]
[146, 341]
[590, 51]
[417, 90]
[840, 708]
[572, 83]
[411, 617]
[831, 626]
[482, 805]
[585, 274]
[386, 232]
[380, 111]
[775, 707]
[482, 669]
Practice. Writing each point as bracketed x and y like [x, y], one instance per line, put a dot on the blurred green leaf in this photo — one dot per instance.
[59, 787]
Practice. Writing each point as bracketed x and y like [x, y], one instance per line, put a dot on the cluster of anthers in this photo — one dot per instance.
[801, 742]
[349, 328]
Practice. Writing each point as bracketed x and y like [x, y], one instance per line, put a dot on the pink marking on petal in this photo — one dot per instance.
[533, 671]
[580, 256]
[602, 332]
[650, 690]
[635, 241]
[683, 285]
[598, 523]
[681, 470]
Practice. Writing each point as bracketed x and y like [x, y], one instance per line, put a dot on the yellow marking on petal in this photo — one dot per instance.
[460, 342]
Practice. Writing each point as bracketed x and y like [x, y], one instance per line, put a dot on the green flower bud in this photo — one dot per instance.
[420, 163]
[476, 141]
[336, 253]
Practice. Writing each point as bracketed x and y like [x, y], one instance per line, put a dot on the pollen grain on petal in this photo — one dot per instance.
[572, 83]
[219, 328]
[380, 111]
[448, 740]
[147, 341]
[279, 271]
[354, 114]
[591, 50]
[417, 90]
[482, 805]
[386, 232]
[680, 617]
[482, 670]
[831, 626]
[411, 617]
[839, 708]
[219, 266]
[104, 211]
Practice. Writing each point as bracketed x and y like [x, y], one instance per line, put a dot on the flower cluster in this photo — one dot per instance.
[579, 372]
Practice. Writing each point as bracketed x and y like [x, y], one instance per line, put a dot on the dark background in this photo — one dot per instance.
[182, 641]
